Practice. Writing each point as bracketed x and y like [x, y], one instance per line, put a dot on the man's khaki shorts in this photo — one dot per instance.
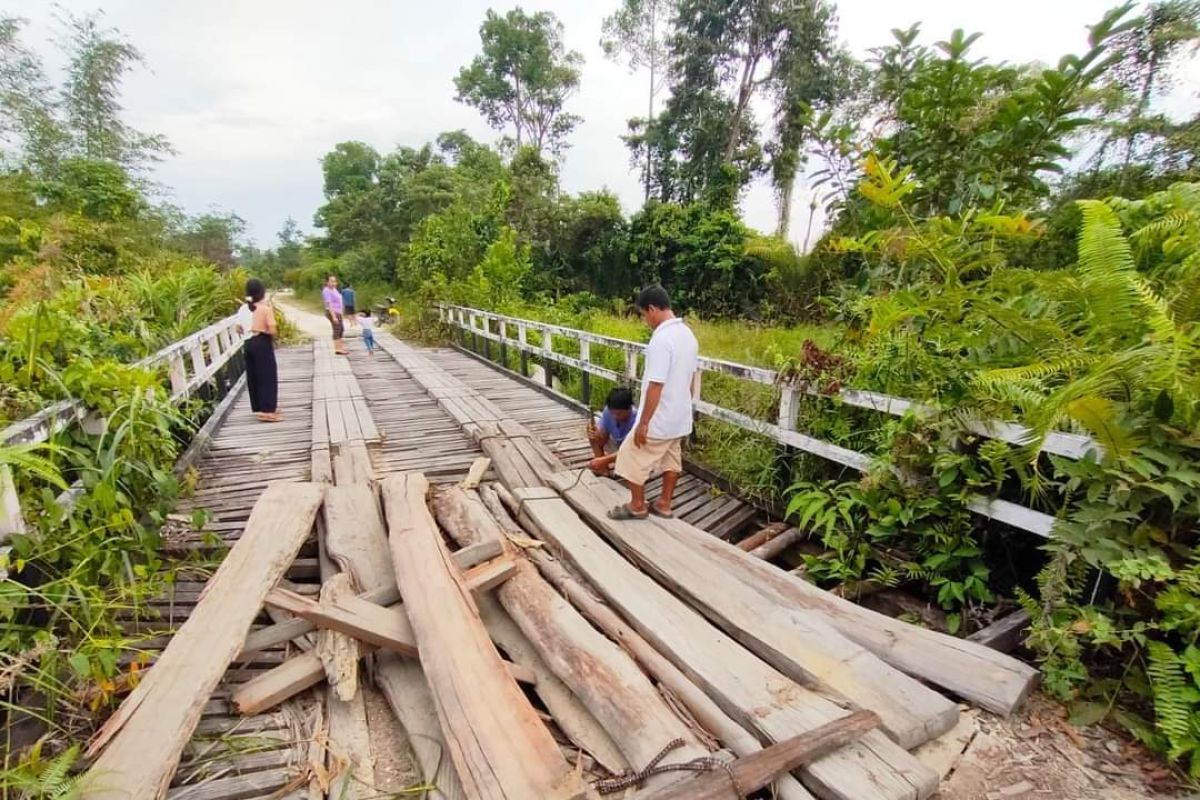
[637, 464]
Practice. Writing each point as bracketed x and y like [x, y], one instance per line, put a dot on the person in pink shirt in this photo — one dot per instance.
[334, 311]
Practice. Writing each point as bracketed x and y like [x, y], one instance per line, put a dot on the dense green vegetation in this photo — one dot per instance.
[1011, 241]
[94, 275]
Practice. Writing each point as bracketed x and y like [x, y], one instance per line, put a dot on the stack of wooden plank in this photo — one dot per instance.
[530, 647]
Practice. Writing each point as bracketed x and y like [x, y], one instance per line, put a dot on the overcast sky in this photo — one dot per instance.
[252, 93]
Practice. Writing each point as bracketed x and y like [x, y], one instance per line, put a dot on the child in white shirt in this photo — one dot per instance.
[368, 331]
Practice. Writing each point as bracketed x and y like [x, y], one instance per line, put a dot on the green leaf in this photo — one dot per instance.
[80, 664]
[1086, 712]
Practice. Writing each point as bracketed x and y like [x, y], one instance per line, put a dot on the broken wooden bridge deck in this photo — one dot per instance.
[354, 421]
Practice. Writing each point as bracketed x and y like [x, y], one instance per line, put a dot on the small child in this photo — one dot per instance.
[616, 422]
[368, 331]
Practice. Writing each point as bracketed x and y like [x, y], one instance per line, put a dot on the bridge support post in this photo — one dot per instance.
[789, 406]
[522, 339]
[503, 343]
[585, 377]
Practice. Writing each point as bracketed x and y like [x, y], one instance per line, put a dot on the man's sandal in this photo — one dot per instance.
[663, 514]
[624, 512]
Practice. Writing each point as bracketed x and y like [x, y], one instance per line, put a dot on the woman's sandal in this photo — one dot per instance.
[624, 512]
[663, 514]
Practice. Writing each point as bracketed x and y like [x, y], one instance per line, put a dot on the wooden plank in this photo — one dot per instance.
[700, 705]
[1005, 634]
[499, 745]
[337, 425]
[350, 761]
[355, 539]
[568, 712]
[338, 651]
[795, 641]
[320, 424]
[769, 550]
[305, 670]
[366, 421]
[983, 676]
[143, 740]
[350, 420]
[466, 559]
[749, 690]
[614, 692]
[404, 687]
[751, 773]
[762, 536]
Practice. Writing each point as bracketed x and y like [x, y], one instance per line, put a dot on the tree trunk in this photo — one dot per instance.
[785, 207]
[745, 91]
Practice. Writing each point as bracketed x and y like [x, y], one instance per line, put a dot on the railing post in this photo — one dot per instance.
[178, 374]
[487, 342]
[523, 340]
[547, 351]
[789, 407]
[585, 379]
[474, 333]
[631, 367]
[11, 521]
[503, 342]
[199, 368]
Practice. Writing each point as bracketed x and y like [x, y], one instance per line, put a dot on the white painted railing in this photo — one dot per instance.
[191, 362]
[498, 328]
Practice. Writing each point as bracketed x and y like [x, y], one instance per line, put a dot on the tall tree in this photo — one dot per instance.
[98, 60]
[1147, 52]
[523, 78]
[27, 111]
[638, 30]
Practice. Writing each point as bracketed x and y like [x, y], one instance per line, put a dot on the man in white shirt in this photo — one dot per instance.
[664, 417]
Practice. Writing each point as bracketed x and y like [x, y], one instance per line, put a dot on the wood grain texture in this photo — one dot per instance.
[499, 746]
[143, 741]
[608, 682]
[987, 678]
[746, 688]
[753, 772]
[797, 642]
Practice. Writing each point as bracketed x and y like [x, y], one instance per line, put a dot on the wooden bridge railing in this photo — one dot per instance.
[190, 362]
[499, 328]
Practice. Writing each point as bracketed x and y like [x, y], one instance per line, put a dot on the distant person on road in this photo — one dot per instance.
[664, 417]
[334, 312]
[262, 376]
[368, 331]
[348, 305]
[616, 423]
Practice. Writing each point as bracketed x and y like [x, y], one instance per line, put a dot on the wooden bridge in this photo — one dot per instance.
[421, 589]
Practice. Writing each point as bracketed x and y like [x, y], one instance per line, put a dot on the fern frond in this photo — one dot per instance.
[1098, 416]
[27, 459]
[1170, 686]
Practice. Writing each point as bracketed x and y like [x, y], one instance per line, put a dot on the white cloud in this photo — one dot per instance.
[252, 94]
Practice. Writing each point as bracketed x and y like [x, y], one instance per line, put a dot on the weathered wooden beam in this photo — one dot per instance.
[140, 745]
[746, 688]
[1005, 634]
[768, 550]
[762, 536]
[797, 642]
[697, 703]
[992, 680]
[608, 682]
[500, 746]
[751, 773]
[305, 670]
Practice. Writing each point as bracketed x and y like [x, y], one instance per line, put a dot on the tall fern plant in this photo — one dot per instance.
[1127, 343]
